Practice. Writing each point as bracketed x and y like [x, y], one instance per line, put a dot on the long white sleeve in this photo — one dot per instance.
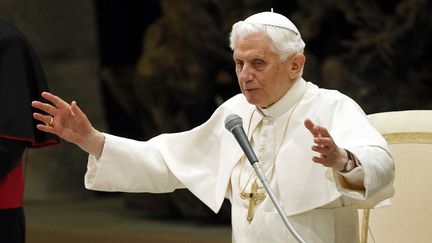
[200, 160]
[371, 179]
[129, 166]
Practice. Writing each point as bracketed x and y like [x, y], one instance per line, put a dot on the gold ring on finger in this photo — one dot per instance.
[50, 121]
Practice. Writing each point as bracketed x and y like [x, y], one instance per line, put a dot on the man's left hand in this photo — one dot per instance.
[330, 155]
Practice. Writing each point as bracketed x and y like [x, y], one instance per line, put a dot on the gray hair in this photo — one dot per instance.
[285, 41]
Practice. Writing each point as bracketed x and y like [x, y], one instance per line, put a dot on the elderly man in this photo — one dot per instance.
[318, 151]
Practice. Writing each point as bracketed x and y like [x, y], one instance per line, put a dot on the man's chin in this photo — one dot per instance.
[254, 101]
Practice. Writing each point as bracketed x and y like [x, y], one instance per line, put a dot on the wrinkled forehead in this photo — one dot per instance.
[255, 38]
[254, 44]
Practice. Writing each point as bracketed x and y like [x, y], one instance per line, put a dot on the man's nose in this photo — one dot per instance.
[245, 74]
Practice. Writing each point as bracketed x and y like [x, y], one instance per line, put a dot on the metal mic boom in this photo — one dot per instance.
[234, 124]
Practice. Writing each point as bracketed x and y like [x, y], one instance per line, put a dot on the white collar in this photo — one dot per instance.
[287, 101]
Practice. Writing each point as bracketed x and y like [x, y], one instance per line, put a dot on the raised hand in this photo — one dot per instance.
[68, 122]
[330, 154]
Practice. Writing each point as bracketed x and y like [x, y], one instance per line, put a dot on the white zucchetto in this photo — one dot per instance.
[271, 18]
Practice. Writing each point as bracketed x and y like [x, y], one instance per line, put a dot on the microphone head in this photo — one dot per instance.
[232, 121]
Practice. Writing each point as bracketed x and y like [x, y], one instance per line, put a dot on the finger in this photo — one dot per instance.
[46, 128]
[45, 107]
[43, 118]
[321, 149]
[76, 110]
[322, 130]
[319, 160]
[57, 101]
[310, 126]
[324, 152]
[324, 141]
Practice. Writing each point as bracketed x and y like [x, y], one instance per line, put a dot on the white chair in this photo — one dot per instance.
[409, 218]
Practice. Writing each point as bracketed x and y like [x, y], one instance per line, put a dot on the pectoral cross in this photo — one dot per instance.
[253, 197]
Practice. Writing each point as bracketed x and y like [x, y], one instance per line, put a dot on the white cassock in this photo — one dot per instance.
[321, 204]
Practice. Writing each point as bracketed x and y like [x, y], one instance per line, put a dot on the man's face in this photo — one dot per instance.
[262, 77]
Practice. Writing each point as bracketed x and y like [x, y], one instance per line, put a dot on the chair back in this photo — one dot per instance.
[409, 218]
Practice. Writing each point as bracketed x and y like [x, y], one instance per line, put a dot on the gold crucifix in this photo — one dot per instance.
[253, 197]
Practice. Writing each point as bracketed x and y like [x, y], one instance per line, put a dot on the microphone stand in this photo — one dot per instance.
[263, 180]
[234, 124]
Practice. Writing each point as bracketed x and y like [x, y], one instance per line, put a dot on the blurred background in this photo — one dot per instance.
[141, 68]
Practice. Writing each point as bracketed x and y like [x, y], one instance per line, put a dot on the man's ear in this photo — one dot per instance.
[297, 63]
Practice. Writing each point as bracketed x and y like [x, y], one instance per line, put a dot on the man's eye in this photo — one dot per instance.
[258, 63]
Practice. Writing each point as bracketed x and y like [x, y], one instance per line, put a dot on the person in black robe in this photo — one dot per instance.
[22, 80]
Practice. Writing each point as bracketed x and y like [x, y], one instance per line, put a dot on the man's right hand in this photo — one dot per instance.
[68, 122]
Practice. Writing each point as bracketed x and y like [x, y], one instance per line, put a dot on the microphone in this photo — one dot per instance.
[234, 124]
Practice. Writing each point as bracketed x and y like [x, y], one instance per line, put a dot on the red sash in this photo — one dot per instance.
[12, 188]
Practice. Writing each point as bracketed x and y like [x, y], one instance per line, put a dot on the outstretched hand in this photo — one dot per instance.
[330, 155]
[68, 122]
